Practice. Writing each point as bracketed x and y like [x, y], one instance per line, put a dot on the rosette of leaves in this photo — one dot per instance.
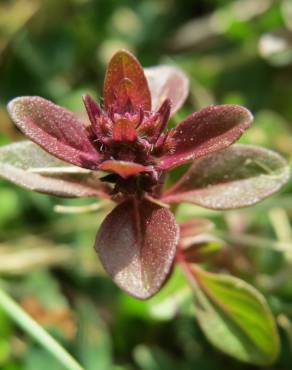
[123, 152]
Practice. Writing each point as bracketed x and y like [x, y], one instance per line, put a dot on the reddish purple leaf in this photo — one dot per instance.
[236, 177]
[93, 111]
[200, 248]
[123, 168]
[164, 113]
[137, 244]
[204, 132]
[167, 82]
[55, 129]
[124, 131]
[152, 128]
[125, 81]
[27, 165]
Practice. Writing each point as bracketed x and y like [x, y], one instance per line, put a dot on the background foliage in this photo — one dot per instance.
[234, 52]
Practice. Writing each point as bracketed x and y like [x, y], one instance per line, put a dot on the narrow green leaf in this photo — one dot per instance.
[31, 327]
[235, 318]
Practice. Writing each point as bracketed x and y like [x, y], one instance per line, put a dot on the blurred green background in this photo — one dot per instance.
[234, 52]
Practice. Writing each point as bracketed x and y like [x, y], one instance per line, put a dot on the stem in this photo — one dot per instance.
[31, 327]
[253, 241]
[281, 225]
[156, 201]
[185, 266]
[93, 207]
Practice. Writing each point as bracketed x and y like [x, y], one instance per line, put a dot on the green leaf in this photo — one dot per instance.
[175, 293]
[93, 340]
[38, 358]
[153, 358]
[235, 318]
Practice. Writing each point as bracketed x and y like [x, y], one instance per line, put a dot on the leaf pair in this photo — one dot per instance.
[128, 91]
[236, 177]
